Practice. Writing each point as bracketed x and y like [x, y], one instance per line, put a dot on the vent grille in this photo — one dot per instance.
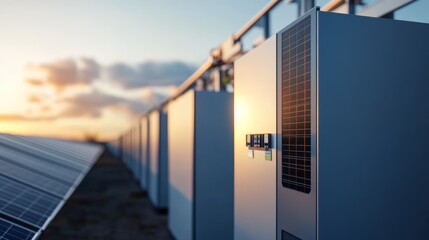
[296, 106]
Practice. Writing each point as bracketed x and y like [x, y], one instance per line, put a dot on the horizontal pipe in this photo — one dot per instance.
[193, 78]
[255, 19]
[330, 6]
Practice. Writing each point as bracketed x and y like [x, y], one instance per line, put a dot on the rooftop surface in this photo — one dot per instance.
[108, 204]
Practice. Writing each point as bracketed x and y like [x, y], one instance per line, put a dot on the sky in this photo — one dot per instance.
[85, 68]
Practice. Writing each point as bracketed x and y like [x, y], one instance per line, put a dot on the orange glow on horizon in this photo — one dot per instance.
[106, 128]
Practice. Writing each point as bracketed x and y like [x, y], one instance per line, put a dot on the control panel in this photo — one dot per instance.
[259, 141]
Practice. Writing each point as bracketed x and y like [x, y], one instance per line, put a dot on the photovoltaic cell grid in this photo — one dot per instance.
[73, 155]
[76, 153]
[26, 203]
[38, 165]
[34, 179]
[296, 106]
[10, 231]
[41, 154]
[36, 176]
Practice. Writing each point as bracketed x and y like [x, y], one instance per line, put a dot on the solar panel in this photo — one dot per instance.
[10, 231]
[41, 154]
[57, 172]
[86, 151]
[37, 176]
[52, 146]
[26, 203]
[296, 107]
[32, 178]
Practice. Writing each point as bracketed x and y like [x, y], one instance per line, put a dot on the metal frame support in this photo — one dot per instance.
[351, 6]
[265, 24]
[303, 5]
[306, 5]
[272, 4]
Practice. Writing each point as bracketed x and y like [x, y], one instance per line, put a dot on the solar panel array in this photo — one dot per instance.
[37, 176]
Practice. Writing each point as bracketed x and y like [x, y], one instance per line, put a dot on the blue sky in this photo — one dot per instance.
[118, 30]
[134, 30]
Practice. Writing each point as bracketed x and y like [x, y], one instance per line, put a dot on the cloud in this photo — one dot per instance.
[66, 72]
[150, 73]
[45, 109]
[34, 98]
[70, 72]
[95, 96]
[34, 81]
[139, 106]
[92, 104]
[19, 117]
[88, 104]
[143, 85]
[12, 117]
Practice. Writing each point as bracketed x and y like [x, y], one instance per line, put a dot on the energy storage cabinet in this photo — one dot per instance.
[114, 147]
[255, 113]
[158, 158]
[136, 151]
[132, 148]
[144, 153]
[200, 164]
[126, 154]
[129, 149]
[352, 126]
[125, 149]
[123, 146]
